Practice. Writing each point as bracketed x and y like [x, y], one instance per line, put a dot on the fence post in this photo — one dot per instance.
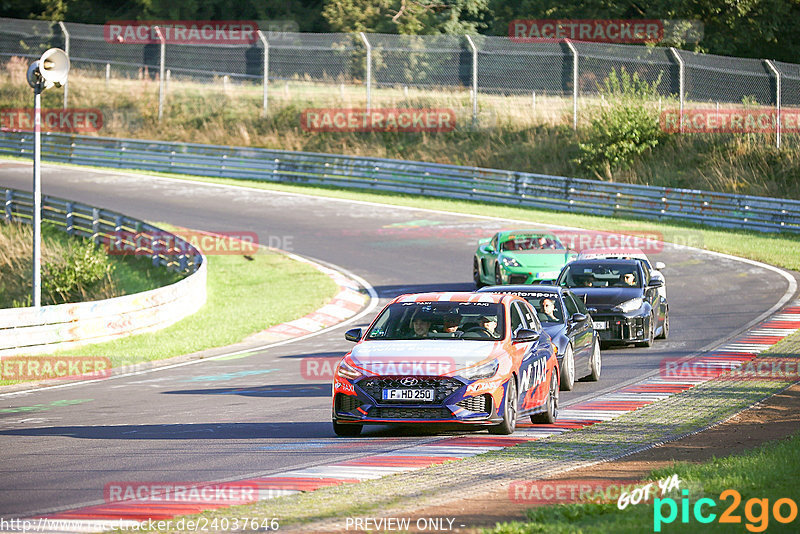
[777, 74]
[681, 81]
[96, 225]
[9, 205]
[474, 80]
[70, 218]
[369, 70]
[574, 83]
[161, 74]
[66, 49]
[266, 67]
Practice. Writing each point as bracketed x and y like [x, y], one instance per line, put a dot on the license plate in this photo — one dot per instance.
[409, 395]
[600, 325]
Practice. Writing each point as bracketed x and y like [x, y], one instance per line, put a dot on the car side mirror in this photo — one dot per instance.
[656, 282]
[524, 335]
[577, 318]
[353, 335]
[659, 265]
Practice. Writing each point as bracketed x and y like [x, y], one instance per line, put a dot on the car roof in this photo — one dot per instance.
[521, 288]
[448, 296]
[538, 233]
[615, 251]
[605, 261]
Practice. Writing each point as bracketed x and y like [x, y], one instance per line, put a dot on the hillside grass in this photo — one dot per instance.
[511, 133]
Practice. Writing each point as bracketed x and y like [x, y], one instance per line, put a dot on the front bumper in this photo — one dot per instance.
[621, 328]
[525, 275]
[450, 405]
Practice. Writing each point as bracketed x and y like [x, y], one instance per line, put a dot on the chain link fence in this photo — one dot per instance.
[557, 80]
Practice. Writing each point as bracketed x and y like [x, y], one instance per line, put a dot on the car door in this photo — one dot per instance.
[533, 367]
[581, 332]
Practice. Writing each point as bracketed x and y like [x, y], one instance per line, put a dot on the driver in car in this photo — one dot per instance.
[549, 308]
[489, 324]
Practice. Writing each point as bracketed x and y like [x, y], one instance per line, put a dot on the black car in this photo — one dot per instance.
[623, 299]
[569, 326]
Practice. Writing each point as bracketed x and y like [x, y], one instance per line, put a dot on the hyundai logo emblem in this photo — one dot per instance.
[409, 381]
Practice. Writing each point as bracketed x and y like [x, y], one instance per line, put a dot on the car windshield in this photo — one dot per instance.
[599, 275]
[530, 242]
[440, 320]
[546, 303]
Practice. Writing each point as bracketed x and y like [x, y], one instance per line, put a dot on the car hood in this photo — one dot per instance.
[541, 259]
[607, 297]
[421, 357]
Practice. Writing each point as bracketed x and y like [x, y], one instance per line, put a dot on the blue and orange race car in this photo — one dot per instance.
[468, 358]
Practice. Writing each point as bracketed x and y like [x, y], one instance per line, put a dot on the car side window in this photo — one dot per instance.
[516, 318]
[578, 302]
[572, 308]
[529, 314]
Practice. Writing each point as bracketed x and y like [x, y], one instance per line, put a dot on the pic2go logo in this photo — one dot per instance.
[758, 521]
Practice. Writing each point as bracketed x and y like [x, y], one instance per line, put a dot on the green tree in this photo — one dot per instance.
[410, 17]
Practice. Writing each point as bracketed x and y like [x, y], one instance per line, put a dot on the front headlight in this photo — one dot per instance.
[630, 305]
[346, 370]
[486, 370]
[509, 262]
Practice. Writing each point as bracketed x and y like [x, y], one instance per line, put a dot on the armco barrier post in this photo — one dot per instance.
[266, 68]
[777, 74]
[9, 205]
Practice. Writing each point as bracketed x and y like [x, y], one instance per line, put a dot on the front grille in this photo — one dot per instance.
[443, 387]
[517, 278]
[346, 403]
[410, 413]
[480, 403]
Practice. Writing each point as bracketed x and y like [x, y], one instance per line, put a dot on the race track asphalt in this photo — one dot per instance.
[257, 415]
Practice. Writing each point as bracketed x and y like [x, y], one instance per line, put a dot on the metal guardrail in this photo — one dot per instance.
[42, 329]
[430, 179]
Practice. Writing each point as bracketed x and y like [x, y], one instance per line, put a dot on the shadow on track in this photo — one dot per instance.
[283, 390]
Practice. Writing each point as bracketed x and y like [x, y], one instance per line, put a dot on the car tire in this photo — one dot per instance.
[568, 369]
[346, 431]
[550, 415]
[476, 273]
[595, 363]
[665, 330]
[509, 423]
[498, 278]
[651, 329]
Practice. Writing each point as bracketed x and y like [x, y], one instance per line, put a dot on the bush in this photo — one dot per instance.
[70, 278]
[624, 129]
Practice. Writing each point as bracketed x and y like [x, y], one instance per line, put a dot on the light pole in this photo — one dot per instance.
[50, 70]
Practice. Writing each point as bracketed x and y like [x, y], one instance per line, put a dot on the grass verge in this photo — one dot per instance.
[767, 472]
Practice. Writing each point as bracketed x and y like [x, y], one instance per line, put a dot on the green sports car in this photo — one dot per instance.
[519, 257]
